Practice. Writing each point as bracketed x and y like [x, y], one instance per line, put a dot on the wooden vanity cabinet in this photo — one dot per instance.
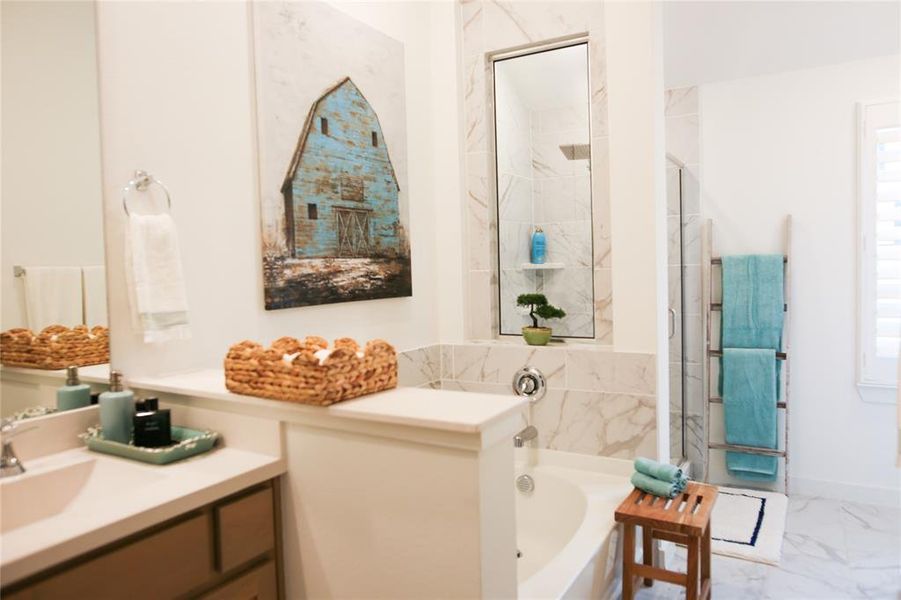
[227, 550]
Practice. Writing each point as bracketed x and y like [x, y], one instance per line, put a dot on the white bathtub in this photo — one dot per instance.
[565, 528]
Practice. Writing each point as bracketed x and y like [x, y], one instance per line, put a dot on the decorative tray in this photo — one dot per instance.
[188, 442]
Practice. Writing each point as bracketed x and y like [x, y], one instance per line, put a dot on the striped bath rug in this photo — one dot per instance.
[749, 524]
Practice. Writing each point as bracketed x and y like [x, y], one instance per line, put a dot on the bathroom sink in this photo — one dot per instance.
[79, 485]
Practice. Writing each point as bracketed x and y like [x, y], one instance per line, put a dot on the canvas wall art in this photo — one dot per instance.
[332, 144]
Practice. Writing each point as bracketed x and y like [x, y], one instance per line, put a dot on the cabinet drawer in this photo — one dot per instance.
[258, 584]
[246, 529]
[165, 564]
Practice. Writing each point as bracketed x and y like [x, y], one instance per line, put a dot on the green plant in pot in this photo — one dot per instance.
[538, 307]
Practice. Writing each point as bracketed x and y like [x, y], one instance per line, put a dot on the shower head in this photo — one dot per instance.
[576, 151]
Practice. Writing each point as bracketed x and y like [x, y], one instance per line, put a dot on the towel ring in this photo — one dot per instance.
[142, 182]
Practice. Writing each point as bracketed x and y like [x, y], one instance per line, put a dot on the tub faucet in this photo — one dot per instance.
[9, 463]
[529, 433]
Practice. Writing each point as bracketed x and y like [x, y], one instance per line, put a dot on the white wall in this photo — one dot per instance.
[447, 174]
[715, 41]
[781, 144]
[51, 209]
[637, 186]
[178, 100]
[638, 190]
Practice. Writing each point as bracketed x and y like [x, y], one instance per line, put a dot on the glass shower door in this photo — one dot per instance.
[676, 312]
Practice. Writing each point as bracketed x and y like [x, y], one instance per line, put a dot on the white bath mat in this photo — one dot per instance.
[749, 524]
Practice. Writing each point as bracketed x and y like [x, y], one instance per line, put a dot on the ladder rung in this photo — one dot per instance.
[718, 261]
[717, 306]
[719, 354]
[718, 400]
[748, 449]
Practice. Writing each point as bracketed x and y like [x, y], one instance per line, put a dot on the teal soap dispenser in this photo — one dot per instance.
[74, 394]
[539, 247]
[117, 410]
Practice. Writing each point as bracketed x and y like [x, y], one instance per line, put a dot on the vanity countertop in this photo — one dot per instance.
[98, 499]
[460, 412]
[88, 374]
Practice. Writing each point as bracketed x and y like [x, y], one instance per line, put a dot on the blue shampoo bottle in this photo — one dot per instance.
[539, 247]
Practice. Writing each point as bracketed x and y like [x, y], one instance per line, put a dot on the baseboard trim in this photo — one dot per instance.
[864, 494]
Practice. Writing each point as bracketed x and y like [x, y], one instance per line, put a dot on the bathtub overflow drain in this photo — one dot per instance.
[525, 484]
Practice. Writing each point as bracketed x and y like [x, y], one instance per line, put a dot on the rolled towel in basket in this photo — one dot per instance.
[658, 487]
[657, 470]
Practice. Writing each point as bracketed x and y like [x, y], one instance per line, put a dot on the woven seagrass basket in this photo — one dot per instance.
[253, 370]
[55, 347]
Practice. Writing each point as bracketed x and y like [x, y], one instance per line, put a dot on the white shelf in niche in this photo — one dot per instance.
[542, 266]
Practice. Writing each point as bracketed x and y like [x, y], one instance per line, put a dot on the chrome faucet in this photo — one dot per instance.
[9, 463]
[529, 433]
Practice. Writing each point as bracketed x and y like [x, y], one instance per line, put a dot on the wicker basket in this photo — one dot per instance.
[56, 347]
[289, 370]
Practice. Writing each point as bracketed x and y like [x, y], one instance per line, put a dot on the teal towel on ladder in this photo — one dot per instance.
[753, 302]
[749, 406]
[753, 316]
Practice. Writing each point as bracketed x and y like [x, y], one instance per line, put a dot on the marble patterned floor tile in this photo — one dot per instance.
[832, 550]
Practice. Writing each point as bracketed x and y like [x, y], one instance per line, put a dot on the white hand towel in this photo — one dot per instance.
[53, 297]
[94, 284]
[156, 285]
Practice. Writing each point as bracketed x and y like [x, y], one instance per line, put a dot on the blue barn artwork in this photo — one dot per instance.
[344, 236]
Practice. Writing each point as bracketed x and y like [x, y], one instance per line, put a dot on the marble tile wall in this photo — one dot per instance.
[599, 402]
[515, 185]
[420, 367]
[684, 255]
[489, 27]
[562, 207]
[553, 193]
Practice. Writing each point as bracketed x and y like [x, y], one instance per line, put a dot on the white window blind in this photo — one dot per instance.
[880, 210]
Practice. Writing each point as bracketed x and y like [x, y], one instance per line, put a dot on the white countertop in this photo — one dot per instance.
[115, 497]
[89, 374]
[463, 412]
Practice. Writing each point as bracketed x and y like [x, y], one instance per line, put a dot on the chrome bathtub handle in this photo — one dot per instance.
[672, 322]
[529, 383]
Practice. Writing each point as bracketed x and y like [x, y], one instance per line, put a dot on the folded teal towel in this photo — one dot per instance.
[749, 406]
[657, 470]
[664, 489]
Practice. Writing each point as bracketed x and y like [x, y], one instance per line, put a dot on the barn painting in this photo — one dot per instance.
[334, 225]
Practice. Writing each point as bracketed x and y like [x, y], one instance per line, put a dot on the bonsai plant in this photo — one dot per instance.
[538, 307]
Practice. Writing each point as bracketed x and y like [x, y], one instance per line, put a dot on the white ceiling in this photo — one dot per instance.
[549, 79]
[717, 41]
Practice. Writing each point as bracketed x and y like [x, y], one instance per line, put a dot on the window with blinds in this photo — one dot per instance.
[880, 210]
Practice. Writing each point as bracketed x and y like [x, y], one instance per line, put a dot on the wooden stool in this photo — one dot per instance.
[683, 520]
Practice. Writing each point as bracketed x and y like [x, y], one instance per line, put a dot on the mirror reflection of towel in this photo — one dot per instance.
[53, 297]
[156, 284]
[94, 280]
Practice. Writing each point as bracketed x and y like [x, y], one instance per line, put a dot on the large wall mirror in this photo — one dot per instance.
[544, 185]
[52, 270]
